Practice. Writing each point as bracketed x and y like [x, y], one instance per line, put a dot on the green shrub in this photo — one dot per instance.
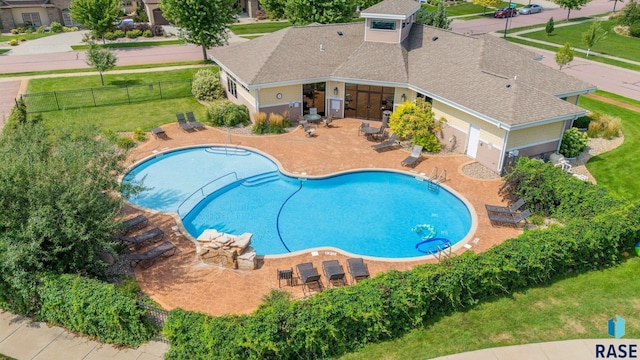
[139, 134]
[13, 42]
[125, 143]
[147, 34]
[634, 29]
[278, 122]
[573, 143]
[582, 122]
[40, 30]
[206, 86]
[134, 34]
[28, 31]
[56, 27]
[119, 33]
[260, 124]
[22, 39]
[416, 121]
[110, 36]
[15, 31]
[70, 29]
[93, 308]
[605, 126]
[226, 113]
[630, 14]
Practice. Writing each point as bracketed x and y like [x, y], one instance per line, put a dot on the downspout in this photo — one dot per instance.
[504, 151]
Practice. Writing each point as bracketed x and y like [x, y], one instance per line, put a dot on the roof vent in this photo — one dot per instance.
[434, 38]
[508, 86]
[340, 33]
[321, 47]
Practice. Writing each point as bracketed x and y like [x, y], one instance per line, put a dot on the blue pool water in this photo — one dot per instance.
[369, 213]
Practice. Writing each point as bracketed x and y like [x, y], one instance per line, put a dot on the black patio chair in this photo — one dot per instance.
[148, 258]
[158, 132]
[357, 269]
[191, 119]
[505, 209]
[334, 273]
[182, 121]
[134, 223]
[133, 242]
[309, 278]
[509, 219]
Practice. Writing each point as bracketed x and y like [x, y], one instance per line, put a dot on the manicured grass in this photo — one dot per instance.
[614, 44]
[31, 36]
[82, 82]
[617, 97]
[541, 27]
[467, 8]
[4, 357]
[127, 67]
[251, 37]
[124, 45]
[618, 169]
[2, 51]
[599, 59]
[576, 307]
[259, 27]
[145, 115]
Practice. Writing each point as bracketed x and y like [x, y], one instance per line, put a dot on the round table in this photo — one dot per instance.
[312, 117]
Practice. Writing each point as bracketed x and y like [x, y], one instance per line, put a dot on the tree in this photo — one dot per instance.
[274, 8]
[206, 21]
[485, 3]
[365, 4]
[630, 14]
[416, 121]
[97, 15]
[437, 18]
[301, 12]
[615, 2]
[549, 27]
[571, 5]
[564, 55]
[56, 214]
[103, 59]
[593, 35]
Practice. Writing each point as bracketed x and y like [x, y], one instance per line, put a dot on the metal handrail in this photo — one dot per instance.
[201, 189]
[443, 176]
[434, 173]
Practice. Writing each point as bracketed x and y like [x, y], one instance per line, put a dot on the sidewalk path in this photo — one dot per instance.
[22, 340]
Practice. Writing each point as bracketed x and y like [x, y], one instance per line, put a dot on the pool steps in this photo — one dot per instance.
[261, 179]
[227, 151]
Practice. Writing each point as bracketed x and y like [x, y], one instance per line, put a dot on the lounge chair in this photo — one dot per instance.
[136, 222]
[505, 209]
[327, 121]
[157, 132]
[183, 122]
[392, 142]
[380, 135]
[362, 126]
[148, 258]
[412, 160]
[309, 277]
[334, 273]
[357, 269]
[134, 241]
[509, 219]
[307, 128]
[191, 120]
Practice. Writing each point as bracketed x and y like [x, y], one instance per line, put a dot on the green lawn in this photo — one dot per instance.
[31, 36]
[2, 51]
[576, 307]
[467, 8]
[617, 170]
[127, 67]
[124, 45]
[614, 44]
[541, 27]
[259, 27]
[88, 81]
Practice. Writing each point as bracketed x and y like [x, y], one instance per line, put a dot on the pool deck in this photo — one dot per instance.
[183, 281]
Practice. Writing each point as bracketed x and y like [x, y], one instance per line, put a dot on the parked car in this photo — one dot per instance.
[505, 12]
[530, 9]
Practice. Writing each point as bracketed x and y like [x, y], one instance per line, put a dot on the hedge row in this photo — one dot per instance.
[340, 320]
[93, 308]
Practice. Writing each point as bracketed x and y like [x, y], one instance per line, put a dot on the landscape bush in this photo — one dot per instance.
[134, 34]
[260, 124]
[56, 27]
[70, 29]
[147, 34]
[226, 113]
[139, 134]
[125, 143]
[605, 126]
[634, 29]
[278, 122]
[119, 33]
[417, 122]
[206, 86]
[93, 308]
[110, 36]
[339, 320]
[40, 30]
[13, 42]
[573, 143]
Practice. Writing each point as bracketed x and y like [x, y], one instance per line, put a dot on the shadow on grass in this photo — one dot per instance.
[125, 82]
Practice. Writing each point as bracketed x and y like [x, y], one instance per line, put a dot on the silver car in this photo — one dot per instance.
[530, 9]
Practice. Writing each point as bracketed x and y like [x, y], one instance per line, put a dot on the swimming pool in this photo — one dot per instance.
[368, 213]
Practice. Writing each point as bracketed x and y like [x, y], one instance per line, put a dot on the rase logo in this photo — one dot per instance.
[615, 328]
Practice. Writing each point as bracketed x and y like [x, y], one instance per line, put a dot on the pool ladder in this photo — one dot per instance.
[436, 179]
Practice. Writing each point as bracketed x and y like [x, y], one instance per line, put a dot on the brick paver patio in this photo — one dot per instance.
[183, 281]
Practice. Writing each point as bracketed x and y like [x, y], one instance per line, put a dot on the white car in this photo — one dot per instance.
[530, 9]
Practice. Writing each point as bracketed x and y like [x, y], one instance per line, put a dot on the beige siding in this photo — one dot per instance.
[573, 99]
[290, 94]
[387, 36]
[488, 133]
[535, 135]
[409, 94]
[17, 15]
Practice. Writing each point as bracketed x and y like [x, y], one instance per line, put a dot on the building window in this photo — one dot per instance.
[31, 19]
[231, 86]
[383, 24]
[425, 98]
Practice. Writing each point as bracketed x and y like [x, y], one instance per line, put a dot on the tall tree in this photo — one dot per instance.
[55, 212]
[549, 27]
[615, 2]
[301, 12]
[274, 8]
[593, 35]
[365, 4]
[102, 59]
[564, 55]
[206, 22]
[571, 5]
[630, 14]
[485, 4]
[97, 15]
[437, 18]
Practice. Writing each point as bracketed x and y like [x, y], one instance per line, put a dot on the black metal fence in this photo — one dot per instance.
[157, 317]
[108, 95]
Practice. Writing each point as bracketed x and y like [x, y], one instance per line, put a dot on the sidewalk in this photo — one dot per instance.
[22, 339]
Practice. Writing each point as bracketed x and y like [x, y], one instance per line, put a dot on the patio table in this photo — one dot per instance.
[369, 131]
[313, 118]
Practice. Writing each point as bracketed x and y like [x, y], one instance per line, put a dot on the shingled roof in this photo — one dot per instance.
[392, 7]
[486, 75]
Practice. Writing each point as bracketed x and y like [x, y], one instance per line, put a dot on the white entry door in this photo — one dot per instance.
[474, 140]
